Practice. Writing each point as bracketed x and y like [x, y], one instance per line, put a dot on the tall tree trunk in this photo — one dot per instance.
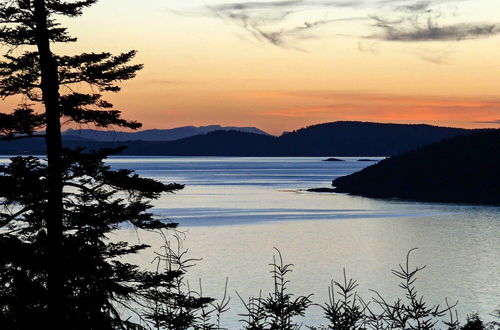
[50, 91]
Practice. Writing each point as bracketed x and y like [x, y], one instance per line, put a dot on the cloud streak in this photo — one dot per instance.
[286, 23]
[267, 21]
[399, 20]
[332, 105]
[489, 122]
[420, 22]
[432, 32]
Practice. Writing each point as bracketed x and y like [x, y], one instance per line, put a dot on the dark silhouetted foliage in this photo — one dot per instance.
[168, 302]
[345, 310]
[412, 311]
[57, 266]
[473, 323]
[463, 169]
[278, 310]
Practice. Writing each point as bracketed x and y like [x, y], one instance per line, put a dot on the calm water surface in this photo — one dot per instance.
[235, 210]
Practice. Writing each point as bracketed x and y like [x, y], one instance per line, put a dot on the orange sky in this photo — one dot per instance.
[281, 65]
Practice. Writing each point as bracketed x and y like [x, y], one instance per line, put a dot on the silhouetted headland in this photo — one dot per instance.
[464, 169]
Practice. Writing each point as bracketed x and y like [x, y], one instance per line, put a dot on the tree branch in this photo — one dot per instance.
[11, 217]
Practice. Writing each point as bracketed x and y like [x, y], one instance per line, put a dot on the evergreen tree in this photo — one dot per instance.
[56, 265]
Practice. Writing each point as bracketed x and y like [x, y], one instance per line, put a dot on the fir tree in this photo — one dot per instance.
[56, 266]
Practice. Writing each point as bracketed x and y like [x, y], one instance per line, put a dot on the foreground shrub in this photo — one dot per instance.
[279, 308]
[345, 310]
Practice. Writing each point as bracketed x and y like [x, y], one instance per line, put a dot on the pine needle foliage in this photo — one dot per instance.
[278, 310]
[344, 309]
[412, 311]
[57, 266]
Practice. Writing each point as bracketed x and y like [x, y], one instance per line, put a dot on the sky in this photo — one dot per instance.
[284, 64]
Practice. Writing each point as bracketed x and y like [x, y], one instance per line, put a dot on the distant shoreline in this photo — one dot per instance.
[320, 157]
[341, 139]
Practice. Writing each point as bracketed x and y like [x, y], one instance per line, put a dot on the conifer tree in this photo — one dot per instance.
[56, 265]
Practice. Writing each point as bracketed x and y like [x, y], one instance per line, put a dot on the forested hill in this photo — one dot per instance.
[363, 138]
[331, 139]
[464, 169]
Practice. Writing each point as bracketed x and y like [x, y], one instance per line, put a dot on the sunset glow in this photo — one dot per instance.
[282, 65]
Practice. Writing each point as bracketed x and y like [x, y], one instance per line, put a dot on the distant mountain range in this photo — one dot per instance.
[331, 139]
[464, 169]
[151, 134]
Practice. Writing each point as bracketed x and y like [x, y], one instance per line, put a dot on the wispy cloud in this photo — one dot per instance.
[285, 23]
[432, 32]
[439, 55]
[421, 21]
[399, 20]
[489, 122]
[267, 21]
[346, 105]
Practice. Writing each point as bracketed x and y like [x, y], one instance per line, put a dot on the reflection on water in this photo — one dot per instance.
[235, 210]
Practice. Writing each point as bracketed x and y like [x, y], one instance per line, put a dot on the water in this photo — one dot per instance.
[235, 210]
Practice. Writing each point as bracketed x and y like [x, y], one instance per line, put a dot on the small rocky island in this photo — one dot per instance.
[333, 160]
[463, 169]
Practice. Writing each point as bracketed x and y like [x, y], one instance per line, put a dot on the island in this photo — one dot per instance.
[321, 190]
[463, 169]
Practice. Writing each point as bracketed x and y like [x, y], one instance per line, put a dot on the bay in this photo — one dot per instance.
[234, 211]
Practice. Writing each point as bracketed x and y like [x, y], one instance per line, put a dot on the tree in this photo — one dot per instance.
[56, 264]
